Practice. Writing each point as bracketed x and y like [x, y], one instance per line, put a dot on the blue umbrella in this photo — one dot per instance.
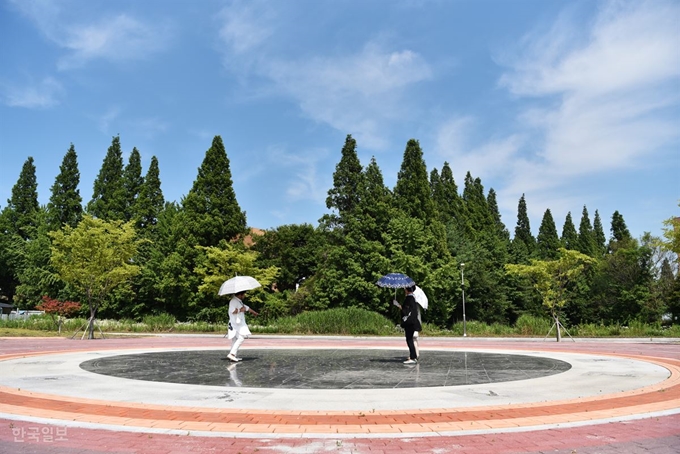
[395, 280]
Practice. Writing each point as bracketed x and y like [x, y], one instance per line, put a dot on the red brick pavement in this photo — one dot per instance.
[656, 435]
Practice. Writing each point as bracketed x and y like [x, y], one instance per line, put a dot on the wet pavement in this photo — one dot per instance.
[326, 368]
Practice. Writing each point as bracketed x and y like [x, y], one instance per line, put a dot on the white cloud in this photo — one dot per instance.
[612, 90]
[301, 169]
[360, 93]
[149, 127]
[104, 120]
[246, 25]
[590, 104]
[42, 95]
[118, 38]
[114, 38]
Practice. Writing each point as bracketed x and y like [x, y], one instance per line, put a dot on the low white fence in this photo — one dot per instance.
[20, 315]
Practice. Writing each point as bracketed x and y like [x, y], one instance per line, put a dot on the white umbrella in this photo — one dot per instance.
[420, 297]
[238, 284]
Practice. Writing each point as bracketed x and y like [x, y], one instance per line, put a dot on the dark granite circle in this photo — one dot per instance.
[325, 368]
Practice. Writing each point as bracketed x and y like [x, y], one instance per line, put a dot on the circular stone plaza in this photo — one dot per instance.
[180, 394]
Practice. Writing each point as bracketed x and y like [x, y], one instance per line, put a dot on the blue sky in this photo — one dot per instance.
[571, 103]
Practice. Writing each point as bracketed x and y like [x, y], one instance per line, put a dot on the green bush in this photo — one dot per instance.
[161, 322]
[351, 320]
[529, 325]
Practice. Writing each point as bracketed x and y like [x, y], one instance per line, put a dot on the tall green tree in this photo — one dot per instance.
[19, 222]
[598, 232]
[348, 182]
[547, 242]
[619, 230]
[523, 243]
[150, 202]
[445, 194]
[376, 206]
[132, 183]
[478, 217]
[569, 238]
[586, 236]
[412, 192]
[66, 205]
[22, 207]
[108, 196]
[353, 254]
[212, 211]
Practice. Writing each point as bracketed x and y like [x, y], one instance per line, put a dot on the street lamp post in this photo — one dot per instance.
[462, 286]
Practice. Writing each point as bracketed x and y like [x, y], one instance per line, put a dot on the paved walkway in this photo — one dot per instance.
[620, 396]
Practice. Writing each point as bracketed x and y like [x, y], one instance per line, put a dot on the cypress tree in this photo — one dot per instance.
[547, 242]
[22, 208]
[436, 192]
[66, 205]
[132, 183]
[569, 237]
[598, 231]
[412, 192]
[376, 206]
[619, 230]
[108, 195]
[348, 181]
[150, 202]
[445, 194]
[500, 228]
[211, 207]
[523, 229]
[586, 237]
[477, 214]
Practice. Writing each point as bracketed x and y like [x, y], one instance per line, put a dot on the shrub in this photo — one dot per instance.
[161, 322]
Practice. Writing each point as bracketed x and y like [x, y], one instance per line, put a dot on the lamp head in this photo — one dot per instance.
[462, 265]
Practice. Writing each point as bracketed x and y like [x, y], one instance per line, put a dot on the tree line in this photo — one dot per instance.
[129, 253]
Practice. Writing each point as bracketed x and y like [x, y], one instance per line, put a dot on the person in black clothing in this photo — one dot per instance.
[410, 323]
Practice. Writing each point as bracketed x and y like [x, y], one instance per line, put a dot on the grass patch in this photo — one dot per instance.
[24, 332]
[341, 321]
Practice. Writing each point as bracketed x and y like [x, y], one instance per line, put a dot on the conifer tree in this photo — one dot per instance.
[348, 182]
[22, 207]
[477, 215]
[619, 230]
[108, 195]
[412, 192]
[19, 222]
[499, 228]
[569, 237]
[586, 236]
[213, 213]
[66, 205]
[376, 206]
[547, 242]
[150, 202]
[448, 201]
[598, 232]
[436, 191]
[132, 183]
[523, 240]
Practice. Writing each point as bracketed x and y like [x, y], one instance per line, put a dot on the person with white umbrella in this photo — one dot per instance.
[238, 329]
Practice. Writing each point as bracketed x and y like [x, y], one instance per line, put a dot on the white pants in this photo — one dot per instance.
[236, 342]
